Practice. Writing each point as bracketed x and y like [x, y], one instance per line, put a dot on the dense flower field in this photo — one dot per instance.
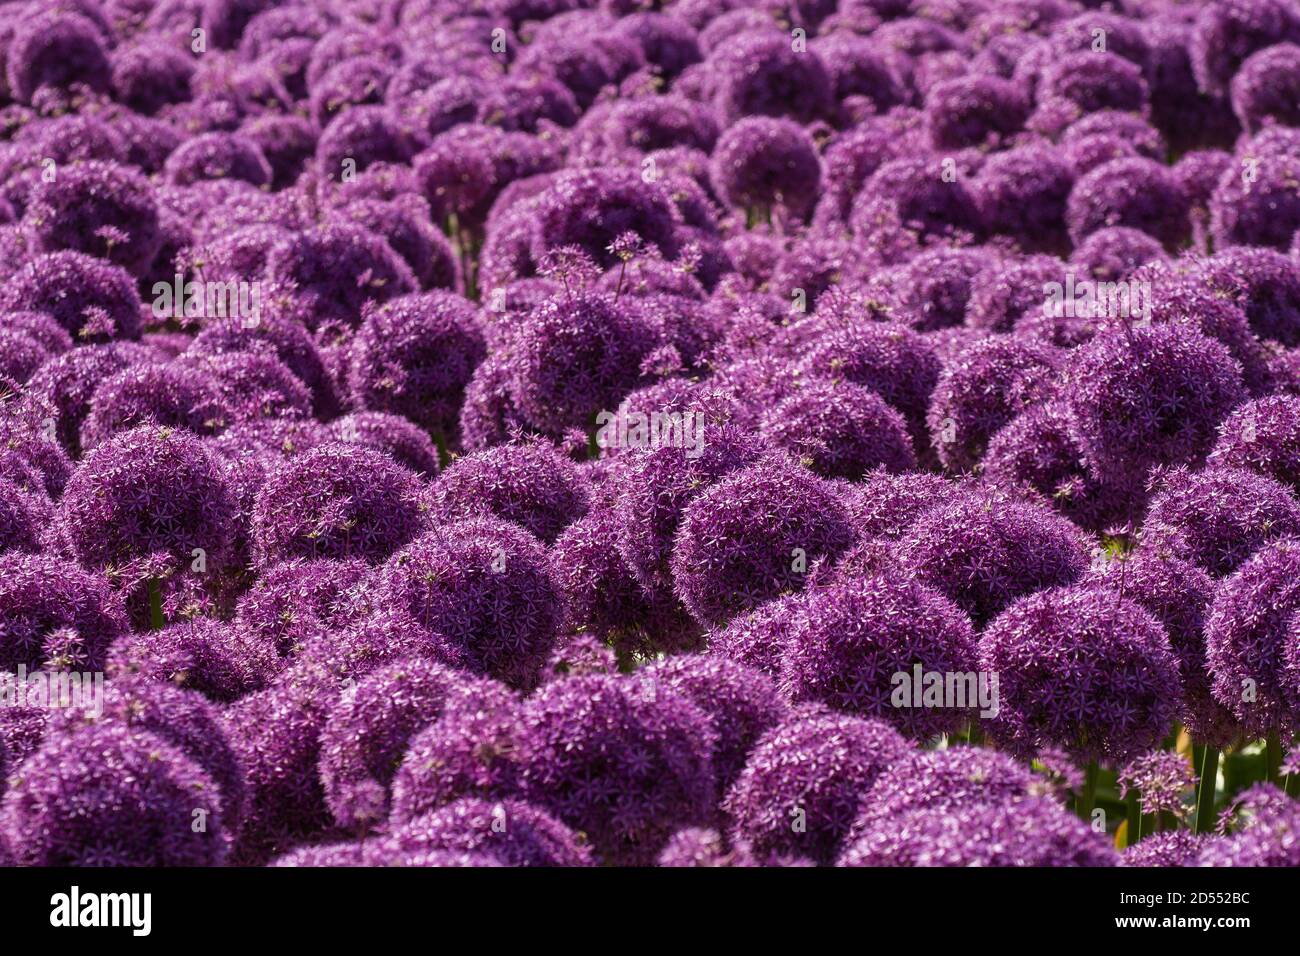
[683, 433]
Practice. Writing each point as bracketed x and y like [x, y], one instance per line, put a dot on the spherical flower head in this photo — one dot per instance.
[974, 111]
[1094, 83]
[1264, 283]
[151, 74]
[143, 502]
[583, 60]
[102, 209]
[404, 224]
[851, 648]
[886, 357]
[166, 396]
[338, 500]
[217, 156]
[1255, 203]
[251, 385]
[1084, 669]
[399, 438]
[368, 730]
[24, 516]
[529, 483]
[41, 328]
[841, 429]
[627, 761]
[357, 139]
[741, 704]
[1267, 87]
[1219, 517]
[20, 357]
[909, 204]
[574, 357]
[287, 142]
[753, 536]
[931, 291]
[413, 357]
[983, 390]
[1149, 396]
[337, 268]
[1170, 848]
[345, 85]
[1227, 32]
[757, 73]
[885, 506]
[1022, 193]
[485, 585]
[1136, 192]
[1246, 636]
[221, 661]
[1161, 778]
[58, 49]
[131, 805]
[1262, 436]
[804, 781]
[468, 752]
[55, 615]
[93, 300]
[1034, 831]
[1260, 830]
[298, 599]
[1113, 253]
[984, 551]
[590, 209]
[761, 163]
[512, 831]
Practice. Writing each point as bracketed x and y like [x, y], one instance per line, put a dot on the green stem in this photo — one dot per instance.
[975, 736]
[1133, 808]
[440, 442]
[1084, 802]
[1273, 749]
[1208, 770]
[156, 621]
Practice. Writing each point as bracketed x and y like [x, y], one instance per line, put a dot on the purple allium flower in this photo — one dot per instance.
[112, 795]
[1265, 284]
[39, 326]
[1149, 396]
[399, 438]
[338, 500]
[404, 223]
[20, 356]
[1266, 826]
[486, 586]
[182, 718]
[287, 142]
[414, 355]
[931, 291]
[578, 655]
[986, 388]
[757, 73]
[64, 384]
[251, 385]
[530, 484]
[218, 156]
[1010, 293]
[1262, 436]
[752, 536]
[984, 551]
[1227, 32]
[220, 661]
[1034, 831]
[573, 357]
[625, 760]
[284, 339]
[1084, 669]
[512, 831]
[886, 357]
[761, 163]
[1246, 634]
[696, 846]
[1094, 83]
[24, 516]
[859, 634]
[1113, 253]
[1170, 848]
[1219, 517]
[298, 599]
[841, 429]
[1023, 192]
[590, 209]
[1161, 777]
[337, 268]
[151, 74]
[1138, 193]
[92, 299]
[358, 138]
[741, 704]
[57, 49]
[143, 502]
[101, 209]
[1266, 89]
[346, 85]
[165, 396]
[1255, 203]
[805, 780]
[370, 726]
[854, 155]
[909, 204]
[974, 111]
[54, 615]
